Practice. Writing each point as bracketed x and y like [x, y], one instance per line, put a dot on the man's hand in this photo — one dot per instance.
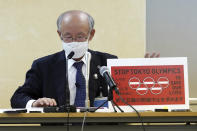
[43, 102]
[153, 55]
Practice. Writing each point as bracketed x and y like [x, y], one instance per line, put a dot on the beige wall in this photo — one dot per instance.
[28, 31]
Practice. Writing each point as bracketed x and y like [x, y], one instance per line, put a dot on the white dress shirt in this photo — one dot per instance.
[71, 79]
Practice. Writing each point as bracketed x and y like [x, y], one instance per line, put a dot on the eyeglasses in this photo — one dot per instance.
[78, 38]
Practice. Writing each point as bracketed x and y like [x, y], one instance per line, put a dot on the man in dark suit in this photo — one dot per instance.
[45, 81]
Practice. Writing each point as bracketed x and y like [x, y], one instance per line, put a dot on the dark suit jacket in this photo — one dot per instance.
[47, 76]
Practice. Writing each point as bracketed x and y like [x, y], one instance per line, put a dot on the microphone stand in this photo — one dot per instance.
[87, 107]
[67, 107]
[110, 98]
[104, 71]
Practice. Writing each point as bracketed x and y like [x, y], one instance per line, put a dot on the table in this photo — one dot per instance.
[154, 121]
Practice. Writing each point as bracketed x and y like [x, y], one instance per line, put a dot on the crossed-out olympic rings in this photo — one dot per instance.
[148, 84]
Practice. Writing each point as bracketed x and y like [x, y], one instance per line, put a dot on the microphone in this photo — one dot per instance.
[70, 55]
[67, 91]
[104, 71]
[67, 107]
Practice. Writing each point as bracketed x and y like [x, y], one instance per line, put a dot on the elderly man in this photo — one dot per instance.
[45, 81]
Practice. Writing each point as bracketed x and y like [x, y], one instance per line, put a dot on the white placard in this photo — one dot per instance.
[151, 83]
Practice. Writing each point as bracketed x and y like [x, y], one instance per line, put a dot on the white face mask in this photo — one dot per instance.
[79, 48]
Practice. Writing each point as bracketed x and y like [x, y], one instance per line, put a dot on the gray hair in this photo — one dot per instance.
[60, 18]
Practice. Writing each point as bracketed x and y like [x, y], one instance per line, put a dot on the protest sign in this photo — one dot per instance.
[151, 83]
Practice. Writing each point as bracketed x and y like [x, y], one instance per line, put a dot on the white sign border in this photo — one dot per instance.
[149, 62]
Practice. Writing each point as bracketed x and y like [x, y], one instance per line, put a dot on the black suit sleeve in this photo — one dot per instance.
[30, 90]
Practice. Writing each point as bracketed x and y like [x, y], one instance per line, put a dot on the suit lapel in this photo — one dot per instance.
[93, 77]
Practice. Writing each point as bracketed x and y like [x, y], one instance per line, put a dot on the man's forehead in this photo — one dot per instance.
[74, 23]
[74, 27]
[75, 17]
